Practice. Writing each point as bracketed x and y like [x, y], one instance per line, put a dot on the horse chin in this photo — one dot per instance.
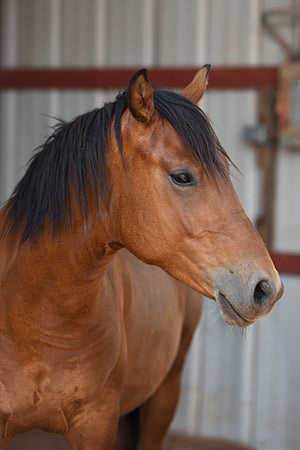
[229, 314]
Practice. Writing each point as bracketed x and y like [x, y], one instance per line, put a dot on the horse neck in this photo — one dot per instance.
[71, 265]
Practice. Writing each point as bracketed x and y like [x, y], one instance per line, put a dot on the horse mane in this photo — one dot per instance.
[73, 159]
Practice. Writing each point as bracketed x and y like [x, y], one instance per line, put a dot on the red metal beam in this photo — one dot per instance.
[287, 262]
[116, 78]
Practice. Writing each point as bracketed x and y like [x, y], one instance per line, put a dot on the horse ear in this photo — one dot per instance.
[140, 97]
[195, 90]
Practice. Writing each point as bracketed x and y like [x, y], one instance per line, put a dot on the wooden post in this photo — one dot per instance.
[266, 159]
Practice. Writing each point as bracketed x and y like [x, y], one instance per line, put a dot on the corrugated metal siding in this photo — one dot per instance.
[245, 388]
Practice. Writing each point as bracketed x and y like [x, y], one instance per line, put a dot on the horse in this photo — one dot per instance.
[125, 215]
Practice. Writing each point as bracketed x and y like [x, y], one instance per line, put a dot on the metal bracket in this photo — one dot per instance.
[293, 15]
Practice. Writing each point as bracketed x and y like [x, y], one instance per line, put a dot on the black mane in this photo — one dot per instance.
[74, 158]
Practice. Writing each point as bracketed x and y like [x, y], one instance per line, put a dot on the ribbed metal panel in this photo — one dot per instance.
[241, 387]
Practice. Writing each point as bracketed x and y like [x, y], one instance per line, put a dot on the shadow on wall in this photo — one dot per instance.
[39, 440]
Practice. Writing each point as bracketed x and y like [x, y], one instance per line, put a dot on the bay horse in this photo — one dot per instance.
[124, 215]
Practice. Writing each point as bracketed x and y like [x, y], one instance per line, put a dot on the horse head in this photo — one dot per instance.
[172, 202]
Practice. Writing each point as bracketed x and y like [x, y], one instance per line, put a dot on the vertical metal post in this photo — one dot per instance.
[9, 100]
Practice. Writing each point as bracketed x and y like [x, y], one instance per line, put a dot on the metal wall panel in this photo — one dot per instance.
[240, 387]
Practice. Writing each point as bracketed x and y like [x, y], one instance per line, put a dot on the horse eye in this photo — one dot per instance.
[182, 178]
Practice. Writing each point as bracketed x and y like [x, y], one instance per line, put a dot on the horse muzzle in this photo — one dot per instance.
[243, 300]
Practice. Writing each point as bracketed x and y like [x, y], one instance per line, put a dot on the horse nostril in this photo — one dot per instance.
[262, 292]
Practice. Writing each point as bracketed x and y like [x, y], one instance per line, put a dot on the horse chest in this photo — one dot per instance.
[150, 357]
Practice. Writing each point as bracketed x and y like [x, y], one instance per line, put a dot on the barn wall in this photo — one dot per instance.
[244, 387]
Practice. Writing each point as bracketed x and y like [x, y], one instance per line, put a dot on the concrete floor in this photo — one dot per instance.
[38, 440]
